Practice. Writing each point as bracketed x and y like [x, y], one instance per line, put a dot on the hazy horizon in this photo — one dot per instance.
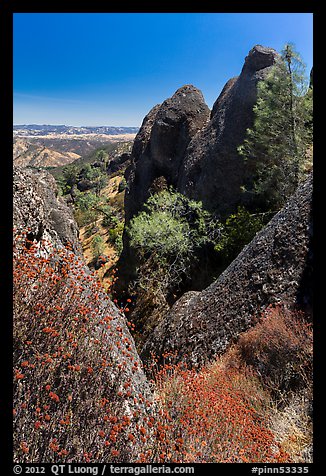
[72, 125]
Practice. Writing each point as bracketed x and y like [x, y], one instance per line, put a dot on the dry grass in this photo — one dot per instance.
[279, 350]
[219, 414]
[292, 426]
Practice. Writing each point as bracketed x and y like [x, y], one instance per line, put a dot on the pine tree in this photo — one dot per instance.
[275, 149]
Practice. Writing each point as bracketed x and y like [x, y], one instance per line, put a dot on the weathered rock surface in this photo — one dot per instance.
[156, 156]
[181, 143]
[160, 144]
[276, 267]
[117, 163]
[212, 170]
[37, 208]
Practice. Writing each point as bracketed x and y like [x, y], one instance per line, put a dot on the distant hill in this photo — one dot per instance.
[113, 150]
[53, 146]
[46, 129]
[36, 154]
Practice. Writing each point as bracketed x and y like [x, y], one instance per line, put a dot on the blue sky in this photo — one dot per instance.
[112, 68]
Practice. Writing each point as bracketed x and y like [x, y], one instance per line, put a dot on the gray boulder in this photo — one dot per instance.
[38, 206]
[46, 216]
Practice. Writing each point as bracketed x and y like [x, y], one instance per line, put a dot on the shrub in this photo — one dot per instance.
[85, 201]
[215, 415]
[239, 229]
[160, 233]
[280, 349]
[115, 236]
[109, 217]
[168, 236]
[97, 246]
[122, 185]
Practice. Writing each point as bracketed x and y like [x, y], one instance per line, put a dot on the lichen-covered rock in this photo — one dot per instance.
[38, 207]
[212, 170]
[276, 267]
[56, 294]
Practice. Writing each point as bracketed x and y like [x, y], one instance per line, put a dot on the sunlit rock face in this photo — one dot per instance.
[212, 170]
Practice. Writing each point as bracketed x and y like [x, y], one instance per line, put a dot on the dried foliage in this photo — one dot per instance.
[280, 349]
[74, 365]
[219, 414]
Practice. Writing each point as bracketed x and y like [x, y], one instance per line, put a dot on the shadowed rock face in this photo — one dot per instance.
[274, 268]
[160, 145]
[140, 173]
[157, 154]
[212, 170]
[184, 145]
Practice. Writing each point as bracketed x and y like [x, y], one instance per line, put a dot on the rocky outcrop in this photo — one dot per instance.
[276, 267]
[118, 163]
[182, 144]
[212, 170]
[38, 207]
[195, 150]
[45, 216]
[156, 157]
[160, 144]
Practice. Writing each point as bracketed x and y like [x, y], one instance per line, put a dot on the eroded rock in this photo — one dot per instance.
[121, 380]
[160, 144]
[212, 170]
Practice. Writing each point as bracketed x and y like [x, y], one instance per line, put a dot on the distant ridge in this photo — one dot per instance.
[46, 129]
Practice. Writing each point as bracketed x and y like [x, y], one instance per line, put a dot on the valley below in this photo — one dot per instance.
[44, 148]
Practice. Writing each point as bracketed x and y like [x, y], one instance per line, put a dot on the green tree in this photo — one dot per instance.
[86, 201]
[85, 210]
[97, 246]
[238, 230]
[167, 237]
[276, 147]
[94, 175]
[70, 175]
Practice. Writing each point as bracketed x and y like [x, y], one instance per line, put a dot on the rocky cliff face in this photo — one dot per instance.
[194, 149]
[212, 170]
[38, 207]
[160, 144]
[156, 157]
[38, 210]
[274, 268]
